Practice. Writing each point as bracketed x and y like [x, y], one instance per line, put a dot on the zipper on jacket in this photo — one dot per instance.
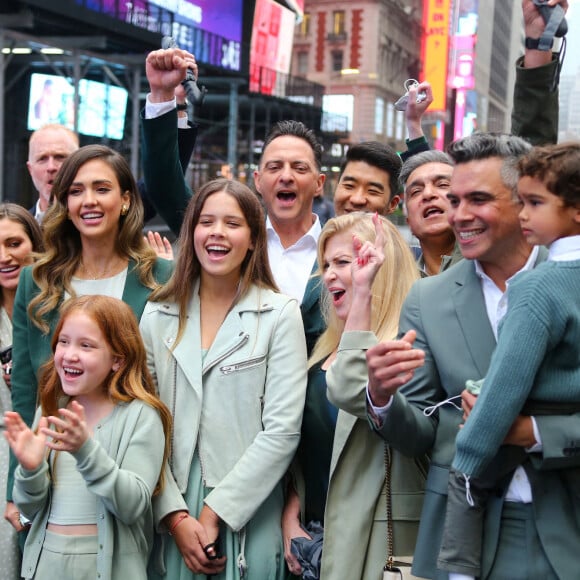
[241, 343]
[228, 369]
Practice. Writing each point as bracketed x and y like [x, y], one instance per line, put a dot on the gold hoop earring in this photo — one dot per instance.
[124, 209]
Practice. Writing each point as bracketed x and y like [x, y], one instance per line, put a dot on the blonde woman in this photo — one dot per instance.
[367, 270]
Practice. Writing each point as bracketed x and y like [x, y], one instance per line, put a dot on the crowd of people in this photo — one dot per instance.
[295, 395]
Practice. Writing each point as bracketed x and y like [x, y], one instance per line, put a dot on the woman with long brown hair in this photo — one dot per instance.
[93, 245]
[229, 356]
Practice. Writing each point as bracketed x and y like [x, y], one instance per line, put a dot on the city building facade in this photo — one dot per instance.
[363, 51]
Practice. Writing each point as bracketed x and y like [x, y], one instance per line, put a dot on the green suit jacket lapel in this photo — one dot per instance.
[472, 317]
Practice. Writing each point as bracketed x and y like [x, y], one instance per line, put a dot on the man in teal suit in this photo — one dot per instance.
[455, 317]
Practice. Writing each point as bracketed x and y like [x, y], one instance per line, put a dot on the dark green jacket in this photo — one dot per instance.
[535, 111]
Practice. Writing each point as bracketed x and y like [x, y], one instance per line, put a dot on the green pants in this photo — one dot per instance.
[67, 557]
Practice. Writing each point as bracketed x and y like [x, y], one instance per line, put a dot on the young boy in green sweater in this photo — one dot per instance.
[535, 369]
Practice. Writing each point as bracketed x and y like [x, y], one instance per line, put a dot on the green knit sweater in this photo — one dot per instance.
[537, 357]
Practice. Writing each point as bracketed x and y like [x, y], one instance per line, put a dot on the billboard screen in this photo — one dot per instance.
[271, 46]
[211, 29]
[102, 107]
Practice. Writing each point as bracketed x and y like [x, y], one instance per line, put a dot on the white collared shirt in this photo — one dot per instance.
[292, 266]
[565, 249]
[38, 213]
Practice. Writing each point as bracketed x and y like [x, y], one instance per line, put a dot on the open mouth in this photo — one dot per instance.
[431, 211]
[468, 235]
[216, 250]
[70, 372]
[286, 196]
[93, 215]
[337, 295]
[8, 269]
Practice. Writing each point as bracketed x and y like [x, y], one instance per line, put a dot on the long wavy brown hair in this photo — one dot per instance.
[255, 267]
[132, 381]
[54, 270]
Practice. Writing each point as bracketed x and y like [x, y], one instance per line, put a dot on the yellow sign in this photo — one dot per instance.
[435, 49]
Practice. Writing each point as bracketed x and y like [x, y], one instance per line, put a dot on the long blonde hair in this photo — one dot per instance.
[392, 282]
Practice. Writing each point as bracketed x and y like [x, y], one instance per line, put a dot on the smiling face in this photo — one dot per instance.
[222, 238]
[364, 187]
[426, 200]
[15, 249]
[484, 214]
[288, 180]
[337, 272]
[83, 359]
[47, 151]
[543, 216]
[95, 200]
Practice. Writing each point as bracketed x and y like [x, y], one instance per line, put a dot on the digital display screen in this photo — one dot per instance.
[271, 46]
[102, 107]
[210, 29]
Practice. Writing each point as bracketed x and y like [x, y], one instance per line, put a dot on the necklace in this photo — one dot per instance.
[92, 275]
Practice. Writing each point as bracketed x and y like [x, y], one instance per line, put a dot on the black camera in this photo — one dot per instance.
[6, 354]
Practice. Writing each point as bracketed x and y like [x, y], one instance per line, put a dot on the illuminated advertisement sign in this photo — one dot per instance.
[461, 69]
[271, 47]
[221, 17]
[461, 73]
[210, 29]
[435, 49]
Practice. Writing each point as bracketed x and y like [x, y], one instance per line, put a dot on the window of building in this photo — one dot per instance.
[337, 113]
[302, 63]
[379, 115]
[305, 25]
[337, 60]
[390, 114]
[400, 120]
[338, 22]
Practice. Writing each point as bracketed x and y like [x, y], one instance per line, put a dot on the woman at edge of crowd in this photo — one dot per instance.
[93, 245]
[367, 270]
[228, 354]
[20, 239]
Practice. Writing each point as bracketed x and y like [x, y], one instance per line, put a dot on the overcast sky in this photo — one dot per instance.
[572, 60]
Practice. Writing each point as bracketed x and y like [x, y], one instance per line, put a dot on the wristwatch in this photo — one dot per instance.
[182, 106]
[534, 43]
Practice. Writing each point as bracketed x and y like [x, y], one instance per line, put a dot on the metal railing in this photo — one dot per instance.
[276, 84]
